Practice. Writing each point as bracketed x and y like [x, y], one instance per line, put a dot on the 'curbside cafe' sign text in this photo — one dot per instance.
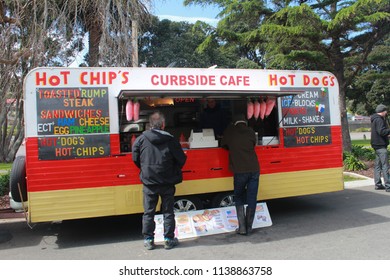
[73, 123]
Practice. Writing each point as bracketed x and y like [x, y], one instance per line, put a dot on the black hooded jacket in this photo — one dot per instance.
[241, 141]
[379, 132]
[160, 157]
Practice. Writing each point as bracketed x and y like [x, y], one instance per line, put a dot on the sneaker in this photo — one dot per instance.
[379, 187]
[387, 189]
[169, 243]
[149, 244]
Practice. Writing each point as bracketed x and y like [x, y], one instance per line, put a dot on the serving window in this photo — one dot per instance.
[193, 114]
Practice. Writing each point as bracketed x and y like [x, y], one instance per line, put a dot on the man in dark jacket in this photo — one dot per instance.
[241, 140]
[379, 141]
[160, 157]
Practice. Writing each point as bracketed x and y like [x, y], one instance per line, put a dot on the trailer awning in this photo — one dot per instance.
[125, 94]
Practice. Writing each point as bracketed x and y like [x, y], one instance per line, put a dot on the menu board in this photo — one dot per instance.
[308, 108]
[69, 147]
[73, 123]
[307, 136]
[306, 118]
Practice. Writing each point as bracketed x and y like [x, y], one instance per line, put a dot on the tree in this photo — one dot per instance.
[176, 44]
[334, 35]
[21, 47]
[50, 33]
[108, 25]
[372, 86]
[238, 18]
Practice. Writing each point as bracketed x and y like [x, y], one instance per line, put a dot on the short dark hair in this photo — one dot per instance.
[157, 120]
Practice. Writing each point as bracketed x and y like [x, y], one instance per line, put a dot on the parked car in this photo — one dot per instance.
[358, 118]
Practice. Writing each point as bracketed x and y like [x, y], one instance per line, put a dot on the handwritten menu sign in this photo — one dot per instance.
[307, 136]
[306, 117]
[73, 122]
[308, 108]
[68, 147]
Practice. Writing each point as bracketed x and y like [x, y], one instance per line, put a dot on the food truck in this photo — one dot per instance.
[80, 124]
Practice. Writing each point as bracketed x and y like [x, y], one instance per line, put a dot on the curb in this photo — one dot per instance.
[9, 213]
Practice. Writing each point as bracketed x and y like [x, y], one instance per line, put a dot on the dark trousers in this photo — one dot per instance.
[151, 195]
[246, 186]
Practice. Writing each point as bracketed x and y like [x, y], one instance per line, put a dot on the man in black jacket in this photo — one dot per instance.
[241, 141]
[379, 141]
[160, 157]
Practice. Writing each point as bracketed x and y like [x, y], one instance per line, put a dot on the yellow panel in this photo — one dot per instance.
[120, 200]
[84, 203]
[300, 183]
[204, 186]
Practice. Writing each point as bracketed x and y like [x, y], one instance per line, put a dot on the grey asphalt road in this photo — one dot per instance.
[351, 224]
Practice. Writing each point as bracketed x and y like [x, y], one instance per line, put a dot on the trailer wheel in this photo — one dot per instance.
[188, 203]
[18, 176]
[223, 200]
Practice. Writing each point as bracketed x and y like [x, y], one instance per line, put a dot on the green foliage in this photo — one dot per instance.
[4, 184]
[348, 178]
[327, 35]
[372, 85]
[362, 10]
[352, 163]
[181, 44]
[246, 64]
[363, 153]
[5, 166]
[362, 142]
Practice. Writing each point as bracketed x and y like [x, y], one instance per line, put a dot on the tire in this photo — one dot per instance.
[223, 200]
[18, 176]
[187, 203]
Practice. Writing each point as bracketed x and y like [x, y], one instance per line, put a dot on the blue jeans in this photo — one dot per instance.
[151, 195]
[381, 167]
[246, 186]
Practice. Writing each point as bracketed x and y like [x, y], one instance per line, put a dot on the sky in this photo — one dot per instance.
[174, 10]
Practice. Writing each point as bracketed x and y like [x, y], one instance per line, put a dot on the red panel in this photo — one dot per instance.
[119, 169]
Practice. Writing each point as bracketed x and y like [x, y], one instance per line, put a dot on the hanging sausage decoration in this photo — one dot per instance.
[262, 109]
[136, 110]
[129, 110]
[249, 109]
[257, 109]
[271, 103]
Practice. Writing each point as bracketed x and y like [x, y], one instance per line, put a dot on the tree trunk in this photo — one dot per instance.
[347, 144]
[337, 60]
[134, 42]
[95, 35]
[94, 25]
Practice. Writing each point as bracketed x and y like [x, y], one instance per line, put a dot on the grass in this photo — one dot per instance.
[361, 142]
[5, 166]
[348, 178]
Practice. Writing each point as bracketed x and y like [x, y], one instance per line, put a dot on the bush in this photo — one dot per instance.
[363, 153]
[4, 184]
[352, 163]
